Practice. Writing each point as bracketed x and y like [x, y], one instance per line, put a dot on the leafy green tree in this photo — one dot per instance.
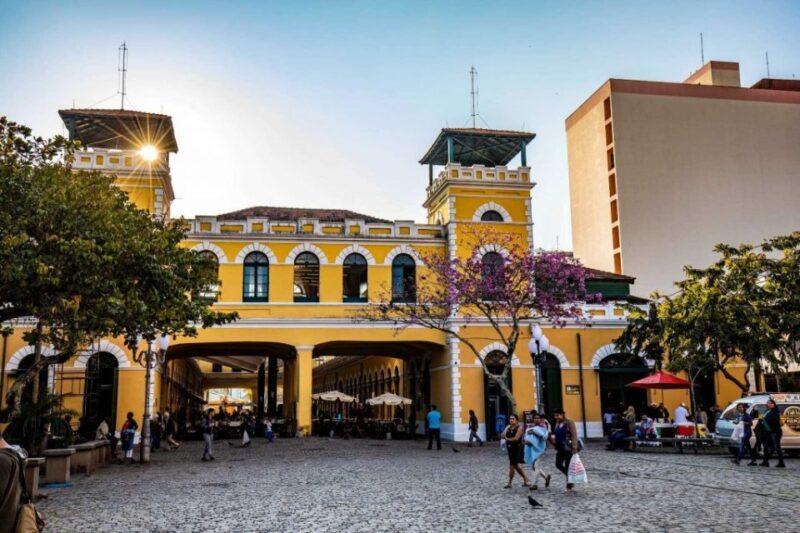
[742, 309]
[81, 262]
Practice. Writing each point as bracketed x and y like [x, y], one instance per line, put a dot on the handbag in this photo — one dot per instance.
[28, 518]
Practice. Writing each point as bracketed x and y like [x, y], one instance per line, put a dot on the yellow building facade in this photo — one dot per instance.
[299, 277]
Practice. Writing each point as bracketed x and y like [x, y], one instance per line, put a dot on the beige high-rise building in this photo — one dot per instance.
[661, 172]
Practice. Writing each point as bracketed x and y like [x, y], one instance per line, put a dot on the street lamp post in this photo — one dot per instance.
[150, 357]
[538, 347]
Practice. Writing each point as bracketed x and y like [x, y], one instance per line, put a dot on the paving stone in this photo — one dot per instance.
[355, 486]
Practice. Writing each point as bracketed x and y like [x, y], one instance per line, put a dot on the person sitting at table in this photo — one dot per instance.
[663, 413]
[681, 414]
[652, 411]
[645, 429]
[616, 438]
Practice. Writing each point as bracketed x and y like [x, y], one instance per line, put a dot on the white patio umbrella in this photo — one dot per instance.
[332, 396]
[389, 399]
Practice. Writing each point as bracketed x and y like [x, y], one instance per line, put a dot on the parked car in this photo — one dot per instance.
[788, 405]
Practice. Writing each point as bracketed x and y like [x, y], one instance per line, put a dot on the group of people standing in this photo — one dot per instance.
[767, 430]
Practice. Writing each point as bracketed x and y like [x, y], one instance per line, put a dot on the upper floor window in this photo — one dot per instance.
[211, 263]
[491, 216]
[404, 279]
[492, 264]
[256, 278]
[306, 278]
[354, 275]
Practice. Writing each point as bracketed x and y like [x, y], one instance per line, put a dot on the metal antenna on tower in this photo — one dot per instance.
[766, 54]
[702, 51]
[122, 68]
[473, 93]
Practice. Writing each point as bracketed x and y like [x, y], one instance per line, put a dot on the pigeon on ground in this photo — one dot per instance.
[456, 450]
[534, 503]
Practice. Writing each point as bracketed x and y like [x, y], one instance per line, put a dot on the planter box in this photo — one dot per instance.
[57, 465]
[83, 462]
[32, 467]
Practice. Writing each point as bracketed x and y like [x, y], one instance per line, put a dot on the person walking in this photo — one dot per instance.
[772, 434]
[207, 428]
[434, 423]
[170, 428]
[535, 446]
[268, 433]
[473, 429]
[127, 435]
[565, 439]
[747, 431]
[156, 430]
[513, 436]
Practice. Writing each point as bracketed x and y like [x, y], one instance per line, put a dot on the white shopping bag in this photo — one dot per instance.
[245, 437]
[576, 472]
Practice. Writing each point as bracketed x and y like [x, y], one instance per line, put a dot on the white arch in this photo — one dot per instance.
[491, 206]
[256, 247]
[486, 248]
[306, 247]
[495, 347]
[403, 249]
[22, 353]
[211, 247]
[103, 346]
[355, 249]
[610, 349]
[559, 354]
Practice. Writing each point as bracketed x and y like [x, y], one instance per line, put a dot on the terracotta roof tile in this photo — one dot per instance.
[296, 213]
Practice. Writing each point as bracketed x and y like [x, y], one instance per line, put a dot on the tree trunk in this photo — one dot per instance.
[742, 386]
[509, 396]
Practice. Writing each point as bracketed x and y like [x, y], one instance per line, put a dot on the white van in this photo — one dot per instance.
[788, 405]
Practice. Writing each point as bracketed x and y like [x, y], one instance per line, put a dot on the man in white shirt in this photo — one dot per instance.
[681, 414]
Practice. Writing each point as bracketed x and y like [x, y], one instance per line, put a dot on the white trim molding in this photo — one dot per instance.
[13, 363]
[256, 247]
[611, 349]
[403, 249]
[355, 249]
[211, 247]
[103, 346]
[495, 347]
[486, 248]
[491, 206]
[306, 247]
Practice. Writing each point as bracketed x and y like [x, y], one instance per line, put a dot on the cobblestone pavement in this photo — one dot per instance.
[333, 485]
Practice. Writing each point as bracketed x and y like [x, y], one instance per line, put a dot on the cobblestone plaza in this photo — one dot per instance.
[364, 485]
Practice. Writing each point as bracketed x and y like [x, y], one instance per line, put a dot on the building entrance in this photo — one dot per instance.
[616, 371]
[496, 404]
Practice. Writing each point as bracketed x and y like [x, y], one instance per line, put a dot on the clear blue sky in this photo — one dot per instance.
[331, 104]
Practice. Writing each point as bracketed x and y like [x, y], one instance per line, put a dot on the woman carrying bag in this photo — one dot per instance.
[567, 444]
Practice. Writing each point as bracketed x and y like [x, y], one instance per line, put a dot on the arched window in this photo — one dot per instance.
[404, 279]
[256, 278]
[100, 389]
[492, 286]
[354, 275]
[492, 216]
[27, 391]
[306, 278]
[210, 270]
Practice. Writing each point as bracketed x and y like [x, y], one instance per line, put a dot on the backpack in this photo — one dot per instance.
[28, 518]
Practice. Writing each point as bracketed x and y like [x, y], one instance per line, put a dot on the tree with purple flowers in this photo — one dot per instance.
[501, 284]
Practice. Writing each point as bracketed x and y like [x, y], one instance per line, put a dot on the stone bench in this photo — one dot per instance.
[57, 465]
[84, 461]
[102, 452]
[32, 467]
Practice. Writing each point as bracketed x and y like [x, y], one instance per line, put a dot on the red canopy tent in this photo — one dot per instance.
[660, 380]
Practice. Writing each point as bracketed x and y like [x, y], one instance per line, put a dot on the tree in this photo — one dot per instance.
[744, 308]
[454, 293]
[81, 262]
